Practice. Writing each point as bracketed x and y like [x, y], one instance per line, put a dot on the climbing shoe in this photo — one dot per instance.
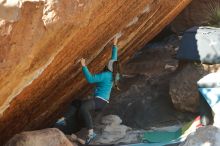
[90, 138]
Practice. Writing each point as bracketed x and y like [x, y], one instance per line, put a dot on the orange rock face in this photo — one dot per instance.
[47, 137]
[41, 43]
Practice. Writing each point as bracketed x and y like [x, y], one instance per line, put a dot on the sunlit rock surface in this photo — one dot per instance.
[45, 137]
[41, 43]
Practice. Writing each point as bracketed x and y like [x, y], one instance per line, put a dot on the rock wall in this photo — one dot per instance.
[41, 42]
[183, 86]
[198, 13]
[183, 89]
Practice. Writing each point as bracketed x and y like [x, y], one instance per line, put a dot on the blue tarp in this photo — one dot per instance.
[200, 44]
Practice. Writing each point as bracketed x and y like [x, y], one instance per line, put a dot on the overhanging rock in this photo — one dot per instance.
[41, 42]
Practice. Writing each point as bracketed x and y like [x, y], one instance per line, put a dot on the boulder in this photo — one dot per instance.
[208, 135]
[45, 137]
[43, 40]
[198, 13]
[111, 130]
[183, 87]
[111, 120]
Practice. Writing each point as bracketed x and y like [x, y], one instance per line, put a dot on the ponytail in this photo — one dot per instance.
[116, 74]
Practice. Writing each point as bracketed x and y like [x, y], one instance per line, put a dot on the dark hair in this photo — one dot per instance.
[106, 68]
[116, 72]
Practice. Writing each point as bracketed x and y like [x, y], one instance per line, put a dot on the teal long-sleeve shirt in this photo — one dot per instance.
[103, 80]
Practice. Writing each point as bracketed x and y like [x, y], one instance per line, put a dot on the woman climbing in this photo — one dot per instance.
[104, 82]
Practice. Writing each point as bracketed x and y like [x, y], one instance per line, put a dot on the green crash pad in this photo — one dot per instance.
[166, 136]
[161, 136]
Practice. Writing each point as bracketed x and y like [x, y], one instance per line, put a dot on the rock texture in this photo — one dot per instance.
[43, 40]
[111, 130]
[143, 100]
[198, 13]
[207, 136]
[183, 87]
[46, 137]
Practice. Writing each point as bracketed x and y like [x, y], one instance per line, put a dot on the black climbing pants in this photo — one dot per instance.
[85, 107]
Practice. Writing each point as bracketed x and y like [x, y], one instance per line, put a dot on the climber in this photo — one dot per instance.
[104, 82]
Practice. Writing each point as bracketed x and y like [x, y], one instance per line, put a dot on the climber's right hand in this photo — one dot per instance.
[115, 41]
[83, 62]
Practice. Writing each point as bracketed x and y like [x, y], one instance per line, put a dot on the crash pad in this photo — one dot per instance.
[169, 137]
[201, 44]
[161, 136]
[212, 96]
[209, 88]
[211, 80]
